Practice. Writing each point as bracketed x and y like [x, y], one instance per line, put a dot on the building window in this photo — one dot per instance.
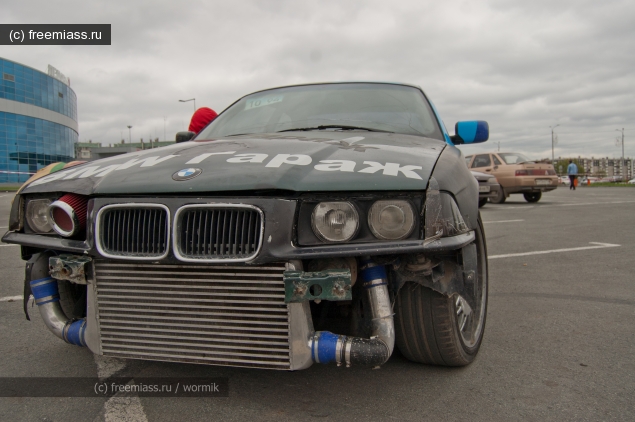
[8, 77]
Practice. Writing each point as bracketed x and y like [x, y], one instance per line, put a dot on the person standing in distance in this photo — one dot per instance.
[572, 171]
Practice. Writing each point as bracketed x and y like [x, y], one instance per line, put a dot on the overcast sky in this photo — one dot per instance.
[522, 66]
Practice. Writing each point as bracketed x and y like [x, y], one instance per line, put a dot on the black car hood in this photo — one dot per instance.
[297, 161]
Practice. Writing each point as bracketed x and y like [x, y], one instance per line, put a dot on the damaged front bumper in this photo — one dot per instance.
[118, 324]
[250, 316]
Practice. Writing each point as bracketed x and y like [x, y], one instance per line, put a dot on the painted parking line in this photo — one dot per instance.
[504, 208]
[8, 245]
[570, 204]
[599, 246]
[10, 298]
[502, 221]
[120, 407]
[591, 203]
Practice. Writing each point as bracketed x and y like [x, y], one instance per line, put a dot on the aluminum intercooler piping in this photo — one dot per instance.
[47, 298]
[327, 347]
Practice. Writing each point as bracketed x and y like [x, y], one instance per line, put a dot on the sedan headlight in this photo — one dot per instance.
[335, 221]
[37, 215]
[391, 220]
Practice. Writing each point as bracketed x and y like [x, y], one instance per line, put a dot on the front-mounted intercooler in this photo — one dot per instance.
[240, 315]
[219, 315]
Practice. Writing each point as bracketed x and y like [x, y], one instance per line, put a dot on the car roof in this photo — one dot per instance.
[340, 82]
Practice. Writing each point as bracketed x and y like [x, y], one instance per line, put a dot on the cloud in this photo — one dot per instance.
[522, 66]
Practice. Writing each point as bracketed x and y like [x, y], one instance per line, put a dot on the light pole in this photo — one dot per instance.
[164, 117]
[552, 128]
[622, 168]
[191, 99]
[129, 134]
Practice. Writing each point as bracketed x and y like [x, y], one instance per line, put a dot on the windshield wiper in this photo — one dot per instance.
[323, 127]
[240, 134]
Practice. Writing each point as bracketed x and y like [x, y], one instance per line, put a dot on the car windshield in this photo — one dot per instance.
[514, 158]
[354, 106]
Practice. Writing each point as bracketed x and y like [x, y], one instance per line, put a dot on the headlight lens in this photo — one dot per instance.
[335, 221]
[391, 220]
[37, 215]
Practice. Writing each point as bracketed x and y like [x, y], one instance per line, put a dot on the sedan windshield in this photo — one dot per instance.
[514, 158]
[329, 107]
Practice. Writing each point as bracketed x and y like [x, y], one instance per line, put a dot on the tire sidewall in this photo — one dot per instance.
[500, 198]
[470, 352]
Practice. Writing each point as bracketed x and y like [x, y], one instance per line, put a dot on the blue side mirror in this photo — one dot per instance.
[470, 132]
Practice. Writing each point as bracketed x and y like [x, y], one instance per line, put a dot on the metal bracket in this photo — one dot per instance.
[300, 286]
[69, 267]
[446, 277]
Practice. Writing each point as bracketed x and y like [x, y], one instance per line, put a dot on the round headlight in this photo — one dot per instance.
[391, 220]
[335, 221]
[37, 215]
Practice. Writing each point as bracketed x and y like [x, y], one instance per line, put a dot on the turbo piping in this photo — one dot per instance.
[327, 347]
[47, 298]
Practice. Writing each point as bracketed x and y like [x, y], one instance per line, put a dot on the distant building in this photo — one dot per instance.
[602, 167]
[90, 151]
[82, 149]
[38, 120]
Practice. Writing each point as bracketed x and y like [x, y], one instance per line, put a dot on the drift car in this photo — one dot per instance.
[306, 224]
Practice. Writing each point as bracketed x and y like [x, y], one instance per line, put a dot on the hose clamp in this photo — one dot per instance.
[314, 347]
[339, 350]
[374, 283]
[347, 353]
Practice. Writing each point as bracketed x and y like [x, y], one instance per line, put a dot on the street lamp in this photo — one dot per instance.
[191, 99]
[552, 128]
[129, 134]
[622, 169]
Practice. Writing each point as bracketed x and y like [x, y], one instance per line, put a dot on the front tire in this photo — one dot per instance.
[431, 328]
[500, 198]
[72, 299]
[532, 196]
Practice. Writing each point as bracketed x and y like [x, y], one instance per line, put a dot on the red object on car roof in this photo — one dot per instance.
[201, 118]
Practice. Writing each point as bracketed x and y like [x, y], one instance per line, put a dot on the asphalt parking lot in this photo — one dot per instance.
[558, 341]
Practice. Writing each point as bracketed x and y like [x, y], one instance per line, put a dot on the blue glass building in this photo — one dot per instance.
[38, 121]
